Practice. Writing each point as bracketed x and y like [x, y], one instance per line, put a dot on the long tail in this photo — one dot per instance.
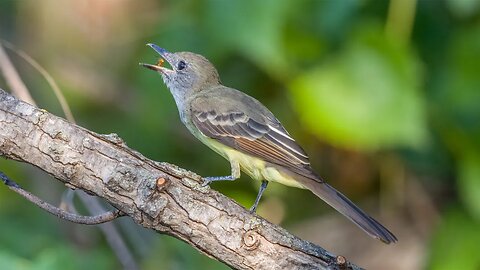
[343, 205]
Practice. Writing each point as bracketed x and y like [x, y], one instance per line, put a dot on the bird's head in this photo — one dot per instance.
[187, 72]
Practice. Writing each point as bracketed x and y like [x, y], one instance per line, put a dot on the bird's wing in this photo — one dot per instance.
[254, 131]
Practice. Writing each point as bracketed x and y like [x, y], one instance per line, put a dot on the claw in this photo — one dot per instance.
[206, 182]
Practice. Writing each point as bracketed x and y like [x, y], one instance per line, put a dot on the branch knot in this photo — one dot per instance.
[251, 240]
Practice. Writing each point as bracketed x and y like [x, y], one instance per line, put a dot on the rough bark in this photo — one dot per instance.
[155, 195]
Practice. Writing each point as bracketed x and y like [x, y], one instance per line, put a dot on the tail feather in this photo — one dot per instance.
[343, 205]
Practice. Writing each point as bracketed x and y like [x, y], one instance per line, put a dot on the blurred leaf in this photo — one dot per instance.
[252, 27]
[53, 258]
[459, 113]
[455, 244]
[336, 17]
[368, 97]
[57, 257]
[170, 253]
[463, 8]
[11, 261]
[456, 108]
[65, 258]
[469, 182]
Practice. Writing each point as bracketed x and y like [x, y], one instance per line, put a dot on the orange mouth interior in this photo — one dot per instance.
[160, 62]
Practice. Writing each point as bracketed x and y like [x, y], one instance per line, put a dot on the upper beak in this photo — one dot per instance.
[164, 54]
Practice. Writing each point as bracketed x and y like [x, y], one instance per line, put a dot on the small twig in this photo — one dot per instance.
[87, 220]
[13, 79]
[53, 84]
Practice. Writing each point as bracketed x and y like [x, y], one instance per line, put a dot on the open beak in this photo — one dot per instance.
[165, 56]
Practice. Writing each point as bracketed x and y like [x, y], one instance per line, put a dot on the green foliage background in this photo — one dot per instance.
[361, 84]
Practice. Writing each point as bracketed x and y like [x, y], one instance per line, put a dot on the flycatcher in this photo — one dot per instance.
[246, 133]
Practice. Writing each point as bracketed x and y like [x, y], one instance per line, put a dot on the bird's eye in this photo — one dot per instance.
[181, 65]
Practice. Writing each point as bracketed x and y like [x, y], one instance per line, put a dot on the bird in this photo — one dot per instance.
[242, 130]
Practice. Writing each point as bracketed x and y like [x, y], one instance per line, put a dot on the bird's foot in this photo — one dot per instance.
[206, 181]
[210, 179]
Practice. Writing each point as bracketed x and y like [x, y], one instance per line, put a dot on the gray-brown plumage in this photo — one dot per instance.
[231, 121]
[246, 133]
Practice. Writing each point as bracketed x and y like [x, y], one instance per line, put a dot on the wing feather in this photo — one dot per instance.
[264, 140]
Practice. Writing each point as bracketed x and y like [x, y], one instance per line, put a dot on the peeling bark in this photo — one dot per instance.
[155, 195]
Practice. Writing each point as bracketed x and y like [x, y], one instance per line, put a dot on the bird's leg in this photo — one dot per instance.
[259, 195]
[235, 175]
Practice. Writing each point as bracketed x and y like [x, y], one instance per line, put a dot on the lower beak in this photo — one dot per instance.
[152, 67]
[164, 54]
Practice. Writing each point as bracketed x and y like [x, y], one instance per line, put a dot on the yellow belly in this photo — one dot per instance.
[254, 167]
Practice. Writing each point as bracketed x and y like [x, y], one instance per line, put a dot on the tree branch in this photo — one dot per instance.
[155, 195]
